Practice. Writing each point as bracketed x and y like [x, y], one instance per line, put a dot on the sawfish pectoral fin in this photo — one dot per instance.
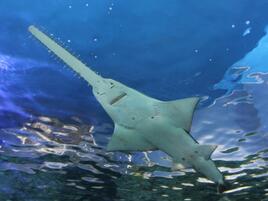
[181, 111]
[206, 150]
[125, 139]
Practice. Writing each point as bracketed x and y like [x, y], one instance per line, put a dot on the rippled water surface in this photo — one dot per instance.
[53, 132]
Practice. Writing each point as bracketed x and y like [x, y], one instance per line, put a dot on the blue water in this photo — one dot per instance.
[53, 132]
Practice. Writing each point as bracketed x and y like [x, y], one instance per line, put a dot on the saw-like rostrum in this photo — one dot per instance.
[142, 123]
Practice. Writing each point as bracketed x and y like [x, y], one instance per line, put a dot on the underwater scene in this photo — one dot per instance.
[188, 121]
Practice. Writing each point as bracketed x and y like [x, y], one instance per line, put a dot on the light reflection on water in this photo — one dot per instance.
[46, 157]
[53, 150]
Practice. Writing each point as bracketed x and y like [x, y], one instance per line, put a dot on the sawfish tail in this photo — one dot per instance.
[69, 59]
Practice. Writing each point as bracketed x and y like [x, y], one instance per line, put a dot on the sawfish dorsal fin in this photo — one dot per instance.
[205, 150]
[181, 111]
[124, 139]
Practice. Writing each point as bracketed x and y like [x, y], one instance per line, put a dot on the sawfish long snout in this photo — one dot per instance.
[70, 60]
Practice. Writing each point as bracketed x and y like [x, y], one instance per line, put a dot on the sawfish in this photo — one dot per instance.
[143, 123]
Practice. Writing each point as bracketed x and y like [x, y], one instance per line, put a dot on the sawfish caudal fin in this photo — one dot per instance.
[206, 150]
[65, 56]
[125, 139]
[181, 111]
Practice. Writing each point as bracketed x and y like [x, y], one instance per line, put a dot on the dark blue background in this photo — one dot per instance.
[148, 45]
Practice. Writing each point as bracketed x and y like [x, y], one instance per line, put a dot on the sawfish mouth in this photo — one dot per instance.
[118, 98]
